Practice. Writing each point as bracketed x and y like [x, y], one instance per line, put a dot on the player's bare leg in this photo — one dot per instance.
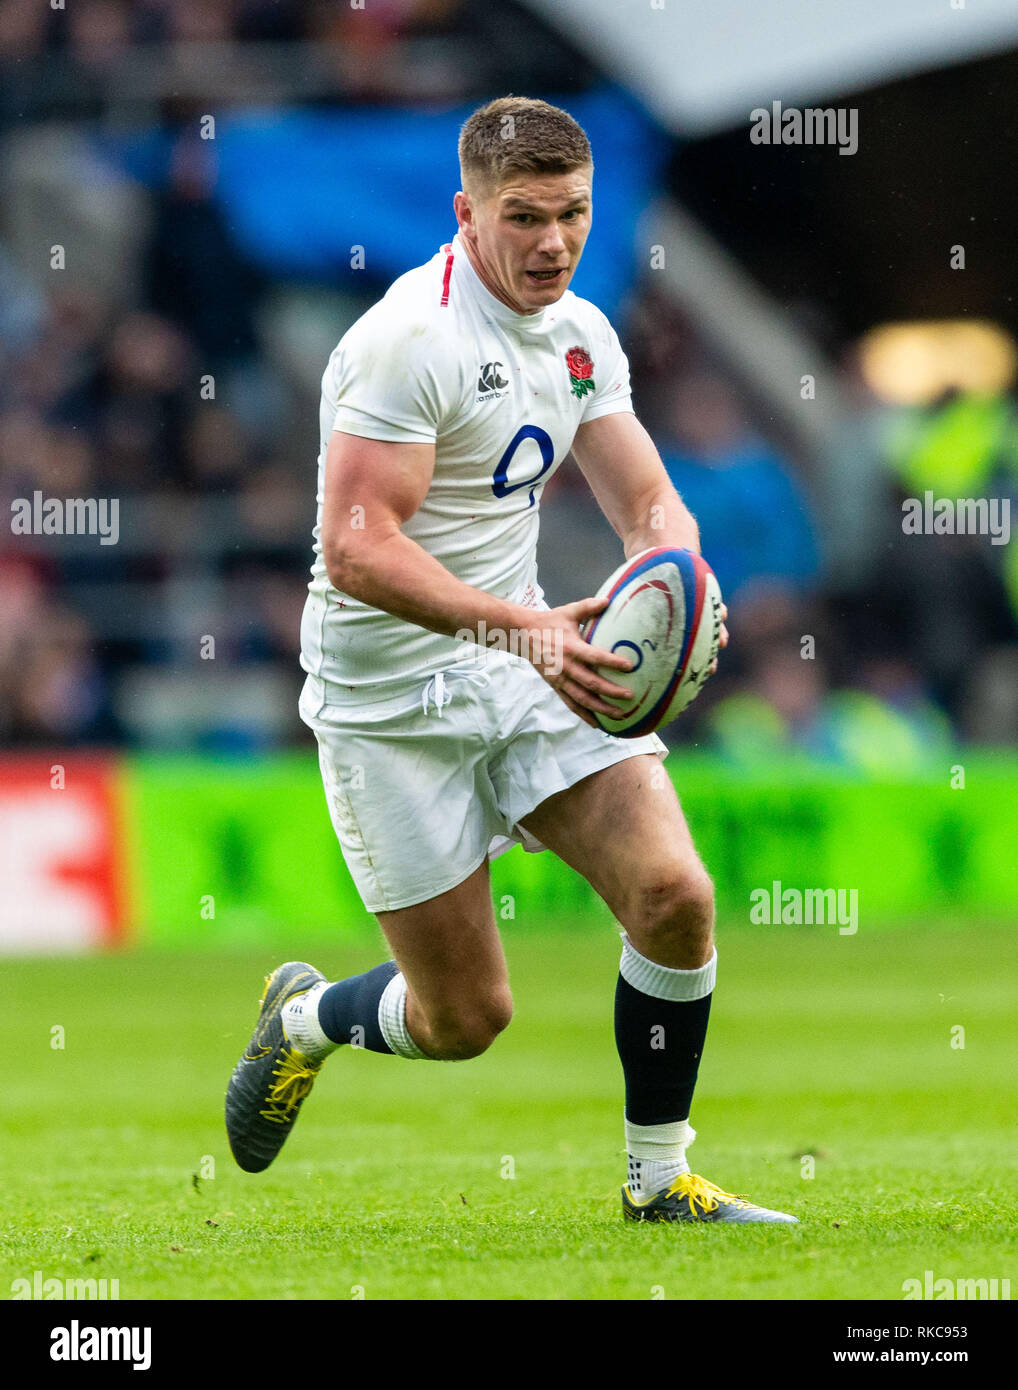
[449, 951]
[445, 996]
[623, 829]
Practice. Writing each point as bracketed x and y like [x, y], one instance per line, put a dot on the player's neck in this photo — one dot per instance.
[490, 284]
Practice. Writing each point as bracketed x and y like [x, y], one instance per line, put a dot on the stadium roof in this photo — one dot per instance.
[703, 65]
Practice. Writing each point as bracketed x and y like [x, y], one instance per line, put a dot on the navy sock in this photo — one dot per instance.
[353, 1004]
[659, 1043]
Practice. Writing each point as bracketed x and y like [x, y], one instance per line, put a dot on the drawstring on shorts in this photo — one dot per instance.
[435, 689]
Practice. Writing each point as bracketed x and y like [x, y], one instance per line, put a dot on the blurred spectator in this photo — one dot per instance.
[787, 713]
[851, 488]
[946, 594]
[753, 514]
[55, 691]
[196, 276]
[98, 32]
[140, 397]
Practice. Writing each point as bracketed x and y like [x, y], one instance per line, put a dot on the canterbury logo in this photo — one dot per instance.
[490, 378]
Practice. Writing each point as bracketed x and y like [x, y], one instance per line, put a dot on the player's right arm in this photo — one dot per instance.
[371, 488]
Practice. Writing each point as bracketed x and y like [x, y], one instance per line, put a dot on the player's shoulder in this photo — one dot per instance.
[403, 349]
[583, 315]
[409, 314]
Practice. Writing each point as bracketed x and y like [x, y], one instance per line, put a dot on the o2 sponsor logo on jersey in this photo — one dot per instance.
[500, 484]
[491, 384]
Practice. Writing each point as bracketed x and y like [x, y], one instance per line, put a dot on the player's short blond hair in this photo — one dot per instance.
[519, 135]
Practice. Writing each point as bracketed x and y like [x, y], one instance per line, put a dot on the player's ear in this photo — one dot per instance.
[464, 211]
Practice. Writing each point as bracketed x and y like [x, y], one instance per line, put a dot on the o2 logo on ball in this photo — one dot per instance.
[637, 657]
[500, 484]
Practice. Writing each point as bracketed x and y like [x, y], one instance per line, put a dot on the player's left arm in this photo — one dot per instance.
[621, 463]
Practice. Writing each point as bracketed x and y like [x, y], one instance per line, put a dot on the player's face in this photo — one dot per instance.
[528, 235]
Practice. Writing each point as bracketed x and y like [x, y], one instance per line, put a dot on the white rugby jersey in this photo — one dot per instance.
[440, 360]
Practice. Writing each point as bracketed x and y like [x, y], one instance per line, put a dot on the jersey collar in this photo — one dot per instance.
[492, 307]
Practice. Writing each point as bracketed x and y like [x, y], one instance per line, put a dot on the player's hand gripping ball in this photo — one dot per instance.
[665, 614]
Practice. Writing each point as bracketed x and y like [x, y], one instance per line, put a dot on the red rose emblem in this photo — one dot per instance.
[581, 371]
[579, 362]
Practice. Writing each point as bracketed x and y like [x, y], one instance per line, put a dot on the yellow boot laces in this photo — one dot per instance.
[707, 1195]
[295, 1076]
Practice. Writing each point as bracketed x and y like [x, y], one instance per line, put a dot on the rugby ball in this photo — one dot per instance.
[665, 615]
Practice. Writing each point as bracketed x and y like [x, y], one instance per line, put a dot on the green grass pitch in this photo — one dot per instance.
[499, 1177]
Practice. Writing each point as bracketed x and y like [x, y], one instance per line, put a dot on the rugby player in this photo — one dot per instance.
[453, 709]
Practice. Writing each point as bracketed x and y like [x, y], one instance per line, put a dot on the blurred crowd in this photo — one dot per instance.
[74, 56]
[96, 32]
[853, 640]
[150, 385]
[177, 378]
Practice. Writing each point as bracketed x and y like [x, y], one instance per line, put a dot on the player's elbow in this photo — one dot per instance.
[356, 546]
[337, 564]
[345, 560]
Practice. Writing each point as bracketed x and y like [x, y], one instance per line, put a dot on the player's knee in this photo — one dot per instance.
[461, 1033]
[675, 911]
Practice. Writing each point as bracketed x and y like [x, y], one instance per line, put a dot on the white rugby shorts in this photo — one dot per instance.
[425, 784]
